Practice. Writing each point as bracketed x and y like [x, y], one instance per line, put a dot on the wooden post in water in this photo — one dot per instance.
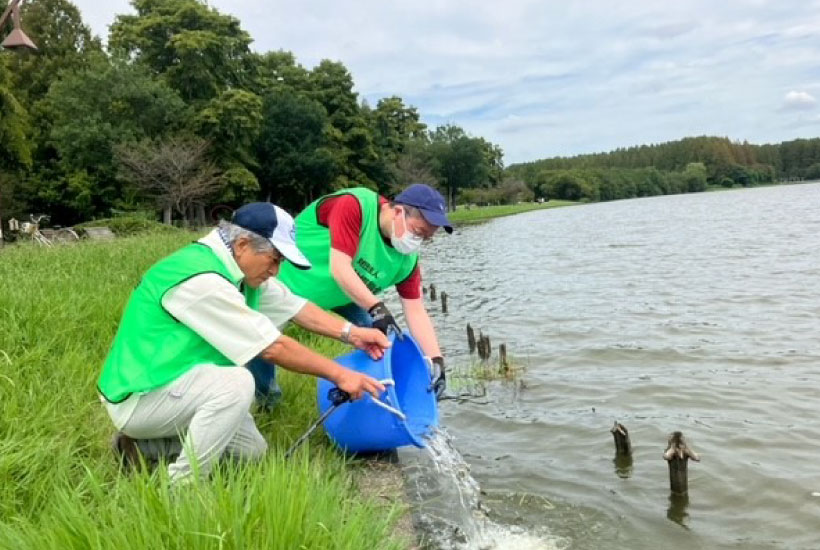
[470, 338]
[677, 454]
[432, 292]
[623, 447]
[503, 365]
[484, 349]
[443, 302]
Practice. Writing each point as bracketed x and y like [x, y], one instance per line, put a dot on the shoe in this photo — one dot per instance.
[269, 401]
[127, 452]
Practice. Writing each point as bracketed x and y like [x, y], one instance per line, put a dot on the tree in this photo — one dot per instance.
[175, 172]
[514, 191]
[414, 165]
[232, 120]
[199, 51]
[92, 111]
[64, 43]
[447, 133]
[511, 191]
[295, 163]
[394, 126]
[566, 185]
[494, 157]
[812, 172]
[741, 175]
[276, 70]
[695, 175]
[332, 86]
[350, 139]
[461, 161]
[15, 147]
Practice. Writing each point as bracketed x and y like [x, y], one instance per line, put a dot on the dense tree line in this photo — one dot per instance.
[84, 129]
[683, 166]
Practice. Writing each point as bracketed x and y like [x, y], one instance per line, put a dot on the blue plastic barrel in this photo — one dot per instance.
[363, 426]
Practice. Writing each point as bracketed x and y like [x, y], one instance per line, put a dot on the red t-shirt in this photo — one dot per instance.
[342, 215]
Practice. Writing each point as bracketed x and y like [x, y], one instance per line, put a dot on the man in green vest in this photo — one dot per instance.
[359, 245]
[174, 382]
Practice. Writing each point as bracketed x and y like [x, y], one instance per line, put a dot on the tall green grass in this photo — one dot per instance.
[59, 484]
[484, 213]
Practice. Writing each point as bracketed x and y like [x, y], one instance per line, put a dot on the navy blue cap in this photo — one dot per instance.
[269, 221]
[429, 202]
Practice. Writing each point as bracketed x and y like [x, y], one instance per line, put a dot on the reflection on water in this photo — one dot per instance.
[678, 505]
[623, 466]
[697, 313]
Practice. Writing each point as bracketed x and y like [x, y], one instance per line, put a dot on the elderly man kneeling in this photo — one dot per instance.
[176, 366]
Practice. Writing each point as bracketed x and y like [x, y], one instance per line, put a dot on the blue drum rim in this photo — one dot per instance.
[391, 390]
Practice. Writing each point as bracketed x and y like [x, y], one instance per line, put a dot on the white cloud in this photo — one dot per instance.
[799, 100]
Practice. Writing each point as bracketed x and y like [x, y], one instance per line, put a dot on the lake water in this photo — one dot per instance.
[698, 313]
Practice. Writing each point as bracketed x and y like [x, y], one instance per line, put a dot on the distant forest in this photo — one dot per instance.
[684, 166]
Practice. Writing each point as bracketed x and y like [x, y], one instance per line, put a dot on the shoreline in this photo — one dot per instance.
[468, 216]
[478, 214]
[382, 481]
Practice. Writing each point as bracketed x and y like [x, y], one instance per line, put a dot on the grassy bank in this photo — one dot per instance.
[463, 215]
[59, 485]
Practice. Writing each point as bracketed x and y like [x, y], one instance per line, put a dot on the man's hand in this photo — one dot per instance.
[438, 378]
[370, 340]
[357, 384]
[384, 320]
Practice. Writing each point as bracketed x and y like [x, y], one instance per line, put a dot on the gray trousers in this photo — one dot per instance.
[209, 408]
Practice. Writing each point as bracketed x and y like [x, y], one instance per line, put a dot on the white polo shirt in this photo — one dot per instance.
[213, 308]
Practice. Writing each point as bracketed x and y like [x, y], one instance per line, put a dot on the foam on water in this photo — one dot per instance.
[451, 513]
[514, 538]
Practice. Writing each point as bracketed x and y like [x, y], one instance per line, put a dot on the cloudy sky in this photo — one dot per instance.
[557, 77]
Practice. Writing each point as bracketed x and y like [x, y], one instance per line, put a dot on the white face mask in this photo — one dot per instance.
[408, 243]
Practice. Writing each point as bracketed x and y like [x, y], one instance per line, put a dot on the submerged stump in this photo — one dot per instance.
[483, 345]
[677, 454]
[503, 365]
[432, 292]
[444, 302]
[470, 338]
[623, 447]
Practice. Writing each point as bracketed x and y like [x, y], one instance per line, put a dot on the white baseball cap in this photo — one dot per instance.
[269, 221]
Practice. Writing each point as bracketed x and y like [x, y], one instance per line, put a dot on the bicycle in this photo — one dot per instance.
[31, 230]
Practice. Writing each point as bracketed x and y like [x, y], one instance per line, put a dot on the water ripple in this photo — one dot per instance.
[697, 313]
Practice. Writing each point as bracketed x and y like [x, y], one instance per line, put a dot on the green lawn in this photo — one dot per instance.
[59, 485]
[483, 213]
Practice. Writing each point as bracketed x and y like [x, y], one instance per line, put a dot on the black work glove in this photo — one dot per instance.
[384, 320]
[438, 378]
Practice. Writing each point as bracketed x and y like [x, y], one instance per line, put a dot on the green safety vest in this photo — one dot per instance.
[151, 347]
[377, 264]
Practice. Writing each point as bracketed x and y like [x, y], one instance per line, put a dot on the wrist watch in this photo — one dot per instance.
[345, 337]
